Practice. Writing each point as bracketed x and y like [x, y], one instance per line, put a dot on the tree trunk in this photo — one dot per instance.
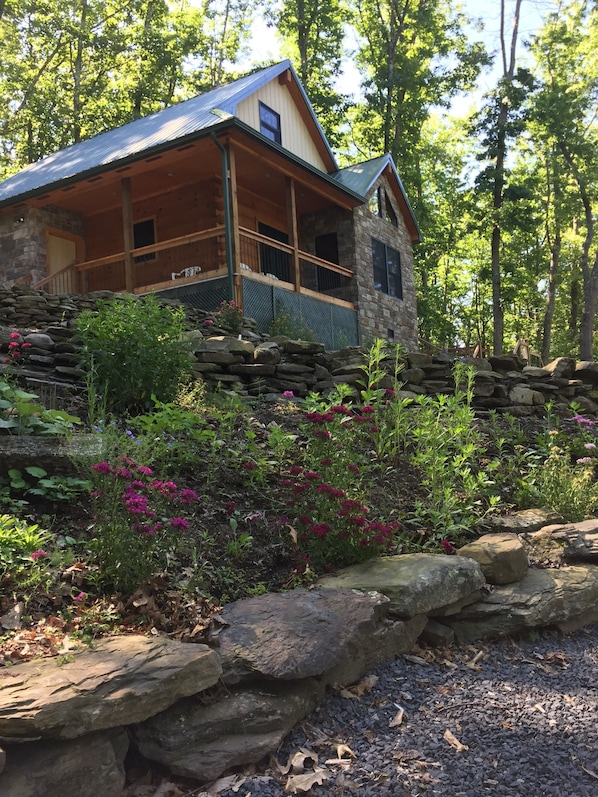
[555, 253]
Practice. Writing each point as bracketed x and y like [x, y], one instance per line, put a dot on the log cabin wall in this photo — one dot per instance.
[183, 210]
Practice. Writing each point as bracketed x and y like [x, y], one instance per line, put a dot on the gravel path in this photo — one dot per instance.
[523, 717]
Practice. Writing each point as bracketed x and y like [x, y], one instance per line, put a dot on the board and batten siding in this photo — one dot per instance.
[294, 134]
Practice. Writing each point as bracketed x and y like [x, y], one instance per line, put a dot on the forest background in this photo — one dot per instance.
[506, 193]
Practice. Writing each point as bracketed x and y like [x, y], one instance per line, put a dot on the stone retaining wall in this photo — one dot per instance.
[258, 366]
[66, 724]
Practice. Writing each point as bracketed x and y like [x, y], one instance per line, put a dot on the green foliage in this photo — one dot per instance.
[138, 521]
[566, 487]
[35, 481]
[22, 553]
[21, 415]
[444, 447]
[284, 324]
[229, 316]
[134, 351]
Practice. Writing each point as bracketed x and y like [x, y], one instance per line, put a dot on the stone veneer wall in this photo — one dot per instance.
[23, 240]
[379, 313]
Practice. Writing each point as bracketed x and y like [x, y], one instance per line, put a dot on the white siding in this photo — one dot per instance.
[294, 134]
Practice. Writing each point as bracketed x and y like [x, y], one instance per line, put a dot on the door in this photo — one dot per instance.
[62, 249]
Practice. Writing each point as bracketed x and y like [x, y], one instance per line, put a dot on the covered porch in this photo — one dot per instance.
[224, 208]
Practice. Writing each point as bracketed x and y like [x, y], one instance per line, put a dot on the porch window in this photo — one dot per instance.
[387, 269]
[144, 234]
[270, 123]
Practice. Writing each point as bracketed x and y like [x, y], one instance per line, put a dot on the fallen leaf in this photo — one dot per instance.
[450, 664]
[453, 741]
[360, 688]
[233, 782]
[303, 783]
[398, 719]
[296, 761]
[416, 659]
[539, 708]
[344, 750]
[339, 762]
[370, 735]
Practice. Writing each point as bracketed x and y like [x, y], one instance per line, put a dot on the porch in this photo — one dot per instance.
[229, 213]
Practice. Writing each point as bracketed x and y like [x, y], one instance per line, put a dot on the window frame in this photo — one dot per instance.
[137, 245]
[387, 269]
[273, 132]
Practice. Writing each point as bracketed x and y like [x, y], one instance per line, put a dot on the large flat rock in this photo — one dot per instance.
[202, 741]
[542, 598]
[123, 680]
[294, 635]
[415, 584]
[91, 766]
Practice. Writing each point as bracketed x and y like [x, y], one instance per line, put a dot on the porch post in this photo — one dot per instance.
[293, 233]
[127, 218]
[236, 240]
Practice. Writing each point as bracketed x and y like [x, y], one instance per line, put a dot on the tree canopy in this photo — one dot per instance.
[506, 194]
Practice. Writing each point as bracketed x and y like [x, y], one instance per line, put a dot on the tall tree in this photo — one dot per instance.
[500, 121]
[312, 32]
[414, 54]
[566, 105]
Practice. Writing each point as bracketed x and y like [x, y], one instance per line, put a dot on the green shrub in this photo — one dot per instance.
[134, 351]
[20, 414]
[21, 551]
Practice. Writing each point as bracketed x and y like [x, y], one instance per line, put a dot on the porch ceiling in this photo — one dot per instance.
[259, 170]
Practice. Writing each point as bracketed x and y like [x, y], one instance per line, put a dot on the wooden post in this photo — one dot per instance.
[234, 217]
[128, 240]
[293, 233]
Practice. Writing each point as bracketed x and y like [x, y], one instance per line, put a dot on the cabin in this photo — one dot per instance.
[233, 194]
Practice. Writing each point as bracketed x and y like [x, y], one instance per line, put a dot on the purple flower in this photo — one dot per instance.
[186, 496]
[583, 461]
[589, 445]
[179, 523]
[102, 467]
[288, 394]
[79, 597]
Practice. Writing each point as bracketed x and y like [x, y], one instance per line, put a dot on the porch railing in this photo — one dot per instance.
[201, 256]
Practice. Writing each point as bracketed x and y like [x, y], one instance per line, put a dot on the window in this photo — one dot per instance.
[270, 123]
[144, 234]
[390, 214]
[375, 203]
[387, 269]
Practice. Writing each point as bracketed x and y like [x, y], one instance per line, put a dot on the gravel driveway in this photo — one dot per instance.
[508, 718]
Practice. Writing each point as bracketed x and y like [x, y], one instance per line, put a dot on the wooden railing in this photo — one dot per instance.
[264, 257]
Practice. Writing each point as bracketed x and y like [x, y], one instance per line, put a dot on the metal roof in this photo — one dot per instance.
[360, 177]
[181, 121]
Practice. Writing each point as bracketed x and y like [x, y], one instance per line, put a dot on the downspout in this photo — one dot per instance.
[227, 219]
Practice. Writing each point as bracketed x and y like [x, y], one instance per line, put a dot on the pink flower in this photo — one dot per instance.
[354, 468]
[144, 470]
[14, 336]
[79, 597]
[39, 554]
[447, 546]
[288, 394]
[186, 496]
[102, 467]
[179, 523]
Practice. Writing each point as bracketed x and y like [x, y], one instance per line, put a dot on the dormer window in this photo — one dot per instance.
[391, 216]
[270, 123]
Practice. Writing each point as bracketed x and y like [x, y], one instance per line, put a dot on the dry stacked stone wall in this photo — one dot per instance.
[255, 365]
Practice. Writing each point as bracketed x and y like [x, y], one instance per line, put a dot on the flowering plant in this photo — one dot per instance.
[230, 316]
[138, 520]
[15, 347]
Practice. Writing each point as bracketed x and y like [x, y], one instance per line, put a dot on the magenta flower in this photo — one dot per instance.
[144, 470]
[102, 467]
[447, 546]
[39, 554]
[186, 496]
[288, 394]
[79, 597]
[179, 523]
[14, 336]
